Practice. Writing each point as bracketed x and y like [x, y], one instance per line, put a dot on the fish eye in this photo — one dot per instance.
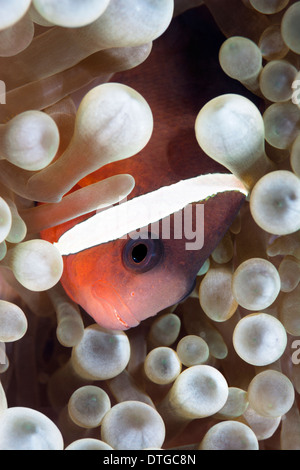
[142, 254]
[139, 252]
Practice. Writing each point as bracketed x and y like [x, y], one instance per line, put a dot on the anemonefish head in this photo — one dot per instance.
[130, 261]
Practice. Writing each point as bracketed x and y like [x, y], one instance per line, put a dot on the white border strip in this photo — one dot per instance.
[119, 220]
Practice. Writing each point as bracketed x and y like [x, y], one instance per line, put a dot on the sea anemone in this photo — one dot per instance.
[83, 90]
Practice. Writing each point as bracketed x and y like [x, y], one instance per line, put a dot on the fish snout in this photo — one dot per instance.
[110, 311]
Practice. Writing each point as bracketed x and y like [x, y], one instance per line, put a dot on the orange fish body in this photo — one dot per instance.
[124, 281]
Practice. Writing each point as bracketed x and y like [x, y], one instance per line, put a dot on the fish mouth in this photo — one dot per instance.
[111, 312]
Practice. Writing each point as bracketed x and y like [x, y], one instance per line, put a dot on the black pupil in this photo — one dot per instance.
[139, 253]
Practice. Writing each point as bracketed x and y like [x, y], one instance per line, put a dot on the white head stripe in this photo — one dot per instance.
[119, 220]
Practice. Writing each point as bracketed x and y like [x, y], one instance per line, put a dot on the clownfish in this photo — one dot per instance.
[119, 272]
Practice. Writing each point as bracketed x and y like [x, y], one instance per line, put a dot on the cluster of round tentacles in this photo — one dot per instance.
[220, 369]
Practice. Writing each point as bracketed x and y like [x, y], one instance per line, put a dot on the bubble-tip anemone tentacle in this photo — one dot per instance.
[114, 122]
[230, 130]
